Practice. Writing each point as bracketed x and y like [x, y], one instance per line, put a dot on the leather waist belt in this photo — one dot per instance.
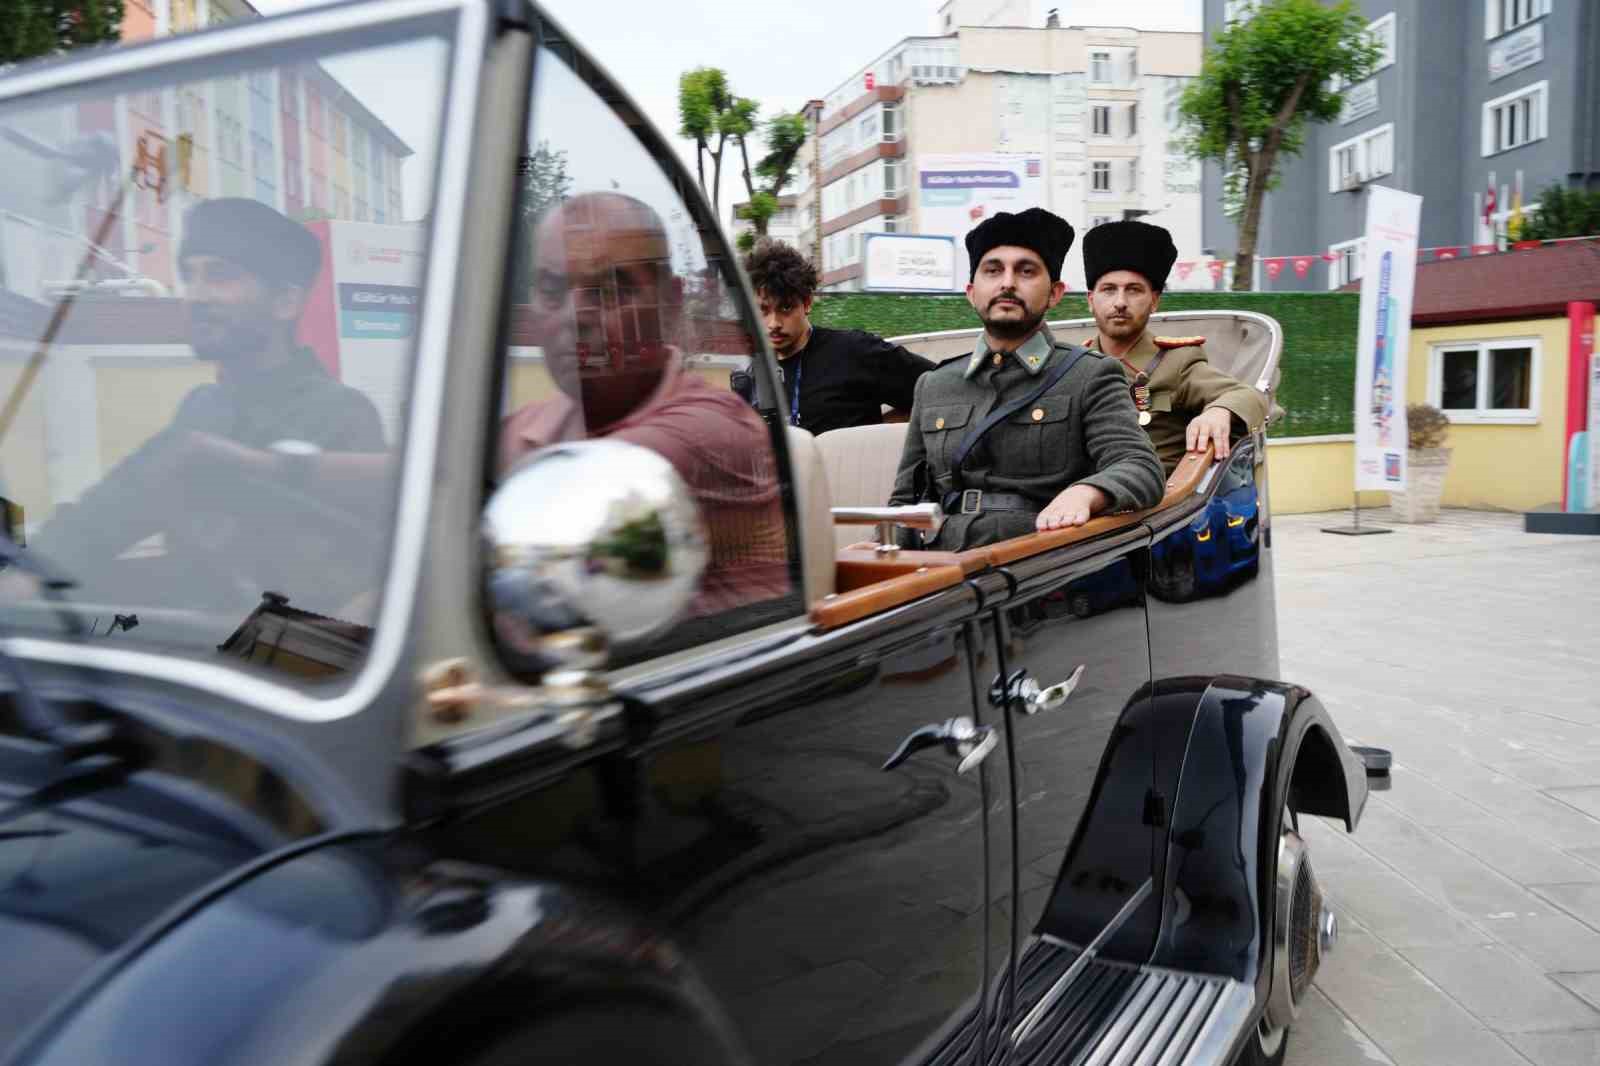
[973, 501]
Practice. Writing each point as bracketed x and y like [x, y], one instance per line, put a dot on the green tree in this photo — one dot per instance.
[710, 114]
[545, 181]
[1260, 83]
[1563, 212]
[30, 28]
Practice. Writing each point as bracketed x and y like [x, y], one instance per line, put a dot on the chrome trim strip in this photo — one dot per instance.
[1190, 991]
[1204, 1005]
[427, 390]
[1047, 1001]
[1128, 1015]
[1138, 1039]
[1227, 1018]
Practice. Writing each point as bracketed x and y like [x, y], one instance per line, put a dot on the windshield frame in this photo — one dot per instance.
[414, 488]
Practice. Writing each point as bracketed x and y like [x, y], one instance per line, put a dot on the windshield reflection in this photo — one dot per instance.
[209, 301]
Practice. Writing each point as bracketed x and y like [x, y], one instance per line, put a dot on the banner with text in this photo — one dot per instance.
[956, 192]
[900, 262]
[1389, 272]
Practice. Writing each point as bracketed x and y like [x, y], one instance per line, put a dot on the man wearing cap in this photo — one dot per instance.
[1182, 400]
[273, 418]
[1026, 433]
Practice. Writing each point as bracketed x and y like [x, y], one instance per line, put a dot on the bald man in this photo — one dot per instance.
[607, 309]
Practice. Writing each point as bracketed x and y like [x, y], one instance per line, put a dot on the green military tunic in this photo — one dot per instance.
[1084, 431]
[1184, 384]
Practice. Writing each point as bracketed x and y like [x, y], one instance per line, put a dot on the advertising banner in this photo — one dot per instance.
[956, 192]
[898, 262]
[362, 313]
[1389, 272]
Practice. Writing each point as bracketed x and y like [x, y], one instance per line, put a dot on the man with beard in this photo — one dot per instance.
[232, 483]
[832, 378]
[1183, 401]
[607, 310]
[1025, 433]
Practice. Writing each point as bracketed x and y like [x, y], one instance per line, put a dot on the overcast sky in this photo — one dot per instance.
[780, 54]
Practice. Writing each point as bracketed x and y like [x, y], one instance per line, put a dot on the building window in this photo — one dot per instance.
[1102, 120]
[1238, 10]
[1362, 158]
[1493, 381]
[1100, 176]
[891, 224]
[891, 123]
[1100, 66]
[1381, 31]
[1347, 267]
[1515, 119]
[1503, 16]
[891, 179]
[1133, 120]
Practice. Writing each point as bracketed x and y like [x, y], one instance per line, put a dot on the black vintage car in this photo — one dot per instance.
[419, 654]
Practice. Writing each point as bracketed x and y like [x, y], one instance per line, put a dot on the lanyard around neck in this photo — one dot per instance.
[794, 391]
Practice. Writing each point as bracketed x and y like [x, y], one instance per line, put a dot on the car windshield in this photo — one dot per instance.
[209, 281]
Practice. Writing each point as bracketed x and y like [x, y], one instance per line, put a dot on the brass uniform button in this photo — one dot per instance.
[1038, 414]
[938, 423]
[998, 358]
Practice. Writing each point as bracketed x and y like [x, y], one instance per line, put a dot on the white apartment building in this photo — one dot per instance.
[938, 132]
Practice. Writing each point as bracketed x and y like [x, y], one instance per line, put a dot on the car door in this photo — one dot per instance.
[1070, 643]
[835, 907]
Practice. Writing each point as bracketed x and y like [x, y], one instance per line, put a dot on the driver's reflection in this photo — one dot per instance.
[265, 480]
[609, 313]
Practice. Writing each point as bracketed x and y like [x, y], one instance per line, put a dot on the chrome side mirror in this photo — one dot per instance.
[589, 547]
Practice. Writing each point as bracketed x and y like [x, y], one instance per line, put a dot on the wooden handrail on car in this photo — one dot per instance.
[910, 575]
[1185, 478]
[842, 608]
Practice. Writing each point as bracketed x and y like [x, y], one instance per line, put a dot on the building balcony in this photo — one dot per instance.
[844, 273]
[883, 94]
[850, 164]
[870, 209]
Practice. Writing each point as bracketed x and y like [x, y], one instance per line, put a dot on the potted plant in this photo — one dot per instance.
[1427, 461]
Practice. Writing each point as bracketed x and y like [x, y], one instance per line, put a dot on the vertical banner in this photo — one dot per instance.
[1389, 272]
[1580, 396]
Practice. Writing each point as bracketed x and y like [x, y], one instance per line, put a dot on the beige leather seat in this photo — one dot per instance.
[1243, 344]
[860, 464]
[814, 511]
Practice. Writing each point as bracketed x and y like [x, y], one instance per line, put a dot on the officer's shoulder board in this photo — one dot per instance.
[1168, 343]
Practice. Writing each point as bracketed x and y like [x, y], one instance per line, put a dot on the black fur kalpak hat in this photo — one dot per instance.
[254, 236]
[1131, 245]
[1034, 229]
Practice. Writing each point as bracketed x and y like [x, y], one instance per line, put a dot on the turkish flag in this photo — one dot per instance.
[1330, 257]
[1185, 268]
[1216, 266]
[1274, 267]
[1302, 265]
[871, 81]
[1483, 249]
[1447, 253]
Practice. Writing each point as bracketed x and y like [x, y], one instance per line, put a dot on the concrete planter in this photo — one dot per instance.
[1425, 471]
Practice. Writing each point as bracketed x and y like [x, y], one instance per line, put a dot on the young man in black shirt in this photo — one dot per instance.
[832, 378]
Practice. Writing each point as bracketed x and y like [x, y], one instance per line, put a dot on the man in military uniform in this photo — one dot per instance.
[1003, 457]
[1183, 401]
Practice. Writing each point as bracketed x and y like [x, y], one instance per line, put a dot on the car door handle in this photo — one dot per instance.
[1026, 691]
[963, 740]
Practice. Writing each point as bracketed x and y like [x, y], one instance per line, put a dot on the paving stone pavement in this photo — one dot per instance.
[1469, 899]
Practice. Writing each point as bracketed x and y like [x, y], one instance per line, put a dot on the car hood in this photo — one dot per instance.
[77, 882]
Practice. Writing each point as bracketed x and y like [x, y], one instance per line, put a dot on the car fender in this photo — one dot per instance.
[1255, 746]
[355, 951]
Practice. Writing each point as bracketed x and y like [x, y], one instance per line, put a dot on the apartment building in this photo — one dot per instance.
[1472, 101]
[991, 114]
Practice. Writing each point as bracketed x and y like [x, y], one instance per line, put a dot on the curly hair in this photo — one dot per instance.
[780, 271]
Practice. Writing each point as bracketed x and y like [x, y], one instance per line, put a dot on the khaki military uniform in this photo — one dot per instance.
[1083, 431]
[1184, 384]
